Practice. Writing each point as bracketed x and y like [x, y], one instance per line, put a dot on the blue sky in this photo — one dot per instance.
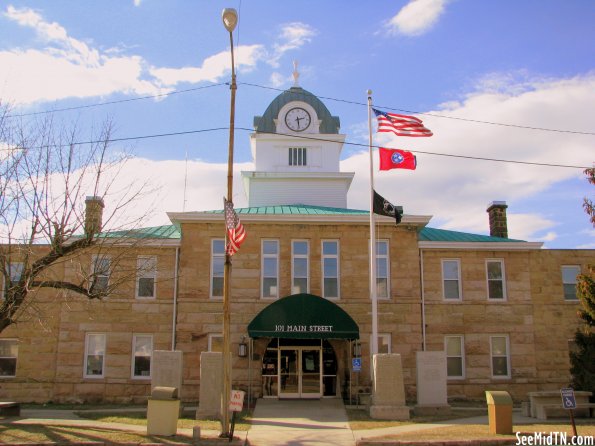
[523, 62]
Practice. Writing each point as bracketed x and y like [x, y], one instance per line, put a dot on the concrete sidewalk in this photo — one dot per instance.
[274, 422]
[300, 423]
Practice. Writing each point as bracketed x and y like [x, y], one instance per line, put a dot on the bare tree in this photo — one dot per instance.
[52, 194]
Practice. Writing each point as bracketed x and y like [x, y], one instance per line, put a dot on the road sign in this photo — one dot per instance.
[568, 399]
[356, 364]
[236, 402]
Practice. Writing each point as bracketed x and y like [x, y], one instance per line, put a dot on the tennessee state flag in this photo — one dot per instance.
[396, 159]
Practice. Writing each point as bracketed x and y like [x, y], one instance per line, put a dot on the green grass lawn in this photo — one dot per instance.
[359, 419]
[480, 431]
[140, 418]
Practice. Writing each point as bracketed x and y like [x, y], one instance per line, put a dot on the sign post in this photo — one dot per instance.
[236, 403]
[569, 403]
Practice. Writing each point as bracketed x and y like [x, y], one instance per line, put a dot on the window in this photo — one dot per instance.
[300, 267]
[297, 156]
[215, 343]
[146, 268]
[142, 352]
[455, 356]
[15, 271]
[495, 277]
[330, 268]
[451, 279]
[500, 356]
[384, 343]
[217, 265]
[382, 269]
[94, 355]
[270, 268]
[101, 273]
[569, 274]
[9, 349]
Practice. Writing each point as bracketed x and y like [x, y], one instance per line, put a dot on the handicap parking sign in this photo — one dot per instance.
[356, 364]
[568, 399]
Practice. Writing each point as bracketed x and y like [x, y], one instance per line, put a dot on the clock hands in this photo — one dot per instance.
[298, 119]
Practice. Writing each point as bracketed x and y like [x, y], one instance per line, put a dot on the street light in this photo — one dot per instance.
[230, 20]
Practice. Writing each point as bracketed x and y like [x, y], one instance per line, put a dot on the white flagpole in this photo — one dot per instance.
[373, 286]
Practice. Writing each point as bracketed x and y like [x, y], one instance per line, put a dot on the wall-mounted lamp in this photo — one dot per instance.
[357, 349]
[243, 348]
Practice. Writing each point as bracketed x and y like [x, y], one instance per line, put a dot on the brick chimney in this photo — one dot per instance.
[93, 215]
[497, 213]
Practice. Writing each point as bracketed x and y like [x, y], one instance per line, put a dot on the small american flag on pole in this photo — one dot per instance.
[400, 125]
[235, 229]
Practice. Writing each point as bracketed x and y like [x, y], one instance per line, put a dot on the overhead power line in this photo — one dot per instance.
[434, 115]
[345, 101]
[119, 101]
[313, 138]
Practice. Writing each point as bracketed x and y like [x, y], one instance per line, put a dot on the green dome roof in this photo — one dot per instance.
[329, 124]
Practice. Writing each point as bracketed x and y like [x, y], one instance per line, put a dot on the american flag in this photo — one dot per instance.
[235, 229]
[401, 125]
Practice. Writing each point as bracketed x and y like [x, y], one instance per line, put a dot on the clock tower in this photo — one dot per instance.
[296, 146]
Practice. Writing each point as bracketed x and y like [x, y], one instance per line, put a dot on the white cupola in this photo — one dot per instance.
[296, 146]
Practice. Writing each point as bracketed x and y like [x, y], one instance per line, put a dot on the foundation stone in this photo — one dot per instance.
[167, 369]
[431, 383]
[388, 393]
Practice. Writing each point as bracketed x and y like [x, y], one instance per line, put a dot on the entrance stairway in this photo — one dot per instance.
[300, 423]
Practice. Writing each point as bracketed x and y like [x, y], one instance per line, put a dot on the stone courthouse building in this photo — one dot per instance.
[504, 310]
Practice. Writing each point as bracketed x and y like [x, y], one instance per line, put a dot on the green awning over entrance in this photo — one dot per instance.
[303, 316]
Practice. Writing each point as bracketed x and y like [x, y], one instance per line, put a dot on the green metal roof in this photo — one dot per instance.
[425, 234]
[443, 235]
[294, 209]
[155, 232]
[266, 124]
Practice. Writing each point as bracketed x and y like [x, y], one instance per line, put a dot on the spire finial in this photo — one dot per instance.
[296, 75]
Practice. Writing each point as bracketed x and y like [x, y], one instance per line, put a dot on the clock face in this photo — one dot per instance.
[297, 119]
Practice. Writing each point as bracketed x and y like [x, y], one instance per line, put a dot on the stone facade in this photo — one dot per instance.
[533, 316]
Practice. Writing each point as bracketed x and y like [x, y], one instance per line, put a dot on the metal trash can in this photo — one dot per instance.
[499, 412]
[163, 411]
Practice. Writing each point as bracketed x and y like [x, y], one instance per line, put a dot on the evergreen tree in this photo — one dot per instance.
[582, 360]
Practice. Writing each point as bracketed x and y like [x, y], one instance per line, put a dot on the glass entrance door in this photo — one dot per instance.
[289, 373]
[299, 372]
[310, 373]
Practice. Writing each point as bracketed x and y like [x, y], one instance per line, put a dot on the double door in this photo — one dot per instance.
[300, 372]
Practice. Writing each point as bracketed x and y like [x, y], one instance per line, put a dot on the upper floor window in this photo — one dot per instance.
[146, 267]
[9, 349]
[270, 268]
[499, 352]
[495, 277]
[382, 269]
[569, 274]
[297, 156]
[300, 268]
[101, 273]
[94, 355]
[217, 265]
[455, 356]
[330, 268]
[142, 352]
[451, 279]
[14, 272]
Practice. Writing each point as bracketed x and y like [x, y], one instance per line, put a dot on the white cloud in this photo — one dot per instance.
[213, 67]
[416, 17]
[292, 36]
[457, 191]
[69, 67]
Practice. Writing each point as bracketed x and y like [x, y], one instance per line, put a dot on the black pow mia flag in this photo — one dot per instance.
[384, 207]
